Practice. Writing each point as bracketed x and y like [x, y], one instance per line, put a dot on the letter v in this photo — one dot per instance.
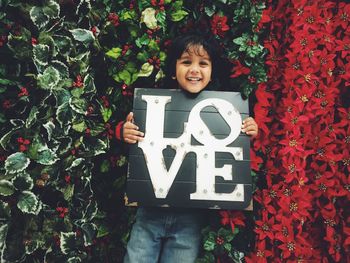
[154, 143]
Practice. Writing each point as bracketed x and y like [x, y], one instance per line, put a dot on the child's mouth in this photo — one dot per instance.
[193, 79]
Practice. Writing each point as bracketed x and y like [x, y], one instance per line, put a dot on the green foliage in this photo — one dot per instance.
[70, 70]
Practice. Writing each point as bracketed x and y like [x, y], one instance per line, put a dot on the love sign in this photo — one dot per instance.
[193, 153]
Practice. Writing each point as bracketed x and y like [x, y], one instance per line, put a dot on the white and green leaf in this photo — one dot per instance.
[64, 114]
[23, 181]
[41, 54]
[29, 203]
[32, 117]
[146, 70]
[89, 84]
[50, 127]
[46, 157]
[16, 163]
[89, 233]
[67, 242]
[6, 188]
[5, 212]
[51, 9]
[83, 35]
[49, 79]
[38, 17]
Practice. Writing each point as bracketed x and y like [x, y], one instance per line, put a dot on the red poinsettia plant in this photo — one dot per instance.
[303, 112]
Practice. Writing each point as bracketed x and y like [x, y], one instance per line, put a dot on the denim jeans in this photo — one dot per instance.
[165, 236]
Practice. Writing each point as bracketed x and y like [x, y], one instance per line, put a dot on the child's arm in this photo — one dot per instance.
[250, 127]
[127, 131]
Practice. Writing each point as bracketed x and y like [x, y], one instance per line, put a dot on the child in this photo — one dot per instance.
[173, 234]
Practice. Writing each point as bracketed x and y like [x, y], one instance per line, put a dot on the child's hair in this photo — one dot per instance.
[181, 44]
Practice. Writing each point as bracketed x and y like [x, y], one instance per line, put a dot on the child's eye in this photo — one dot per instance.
[186, 62]
[204, 63]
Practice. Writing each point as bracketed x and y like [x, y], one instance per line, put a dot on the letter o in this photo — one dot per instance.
[201, 132]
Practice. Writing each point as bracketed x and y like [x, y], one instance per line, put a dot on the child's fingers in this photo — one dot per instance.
[250, 127]
[130, 117]
[132, 139]
[131, 133]
[130, 126]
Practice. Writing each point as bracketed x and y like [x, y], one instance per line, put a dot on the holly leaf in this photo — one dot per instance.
[29, 203]
[79, 126]
[148, 16]
[16, 163]
[41, 54]
[106, 113]
[63, 44]
[114, 52]
[64, 114]
[52, 9]
[79, 105]
[67, 242]
[83, 35]
[32, 117]
[6, 188]
[23, 181]
[5, 213]
[49, 79]
[89, 84]
[209, 245]
[178, 15]
[46, 157]
[93, 147]
[89, 233]
[39, 18]
[146, 70]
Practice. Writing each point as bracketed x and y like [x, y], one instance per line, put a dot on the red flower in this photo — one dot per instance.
[293, 144]
[239, 69]
[343, 17]
[261, 255]
[343, 45]
[295, 202]
[311, 18]
[343, 71]
[233, 218]
[264, 226]
[219, 25]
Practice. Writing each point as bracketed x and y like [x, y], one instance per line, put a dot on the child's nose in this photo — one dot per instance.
[194, 69]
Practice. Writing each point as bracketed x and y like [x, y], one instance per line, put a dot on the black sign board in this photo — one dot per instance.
[193, 153]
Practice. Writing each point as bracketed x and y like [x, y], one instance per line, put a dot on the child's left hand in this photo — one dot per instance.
[250, 127]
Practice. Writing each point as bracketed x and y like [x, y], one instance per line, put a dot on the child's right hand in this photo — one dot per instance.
[131, 133]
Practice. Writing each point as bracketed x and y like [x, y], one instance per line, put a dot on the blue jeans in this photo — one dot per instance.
[165, 236]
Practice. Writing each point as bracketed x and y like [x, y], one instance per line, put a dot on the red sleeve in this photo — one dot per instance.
[119, 130]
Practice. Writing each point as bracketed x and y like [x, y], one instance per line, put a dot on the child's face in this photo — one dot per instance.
[193, 69]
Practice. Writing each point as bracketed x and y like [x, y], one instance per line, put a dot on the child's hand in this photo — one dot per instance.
[131, 133]
[250, 127]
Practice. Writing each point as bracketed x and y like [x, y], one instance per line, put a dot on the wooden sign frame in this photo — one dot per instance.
[190, 156]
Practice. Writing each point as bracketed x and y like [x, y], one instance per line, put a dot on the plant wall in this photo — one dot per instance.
[303, 112]
[67, 74]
